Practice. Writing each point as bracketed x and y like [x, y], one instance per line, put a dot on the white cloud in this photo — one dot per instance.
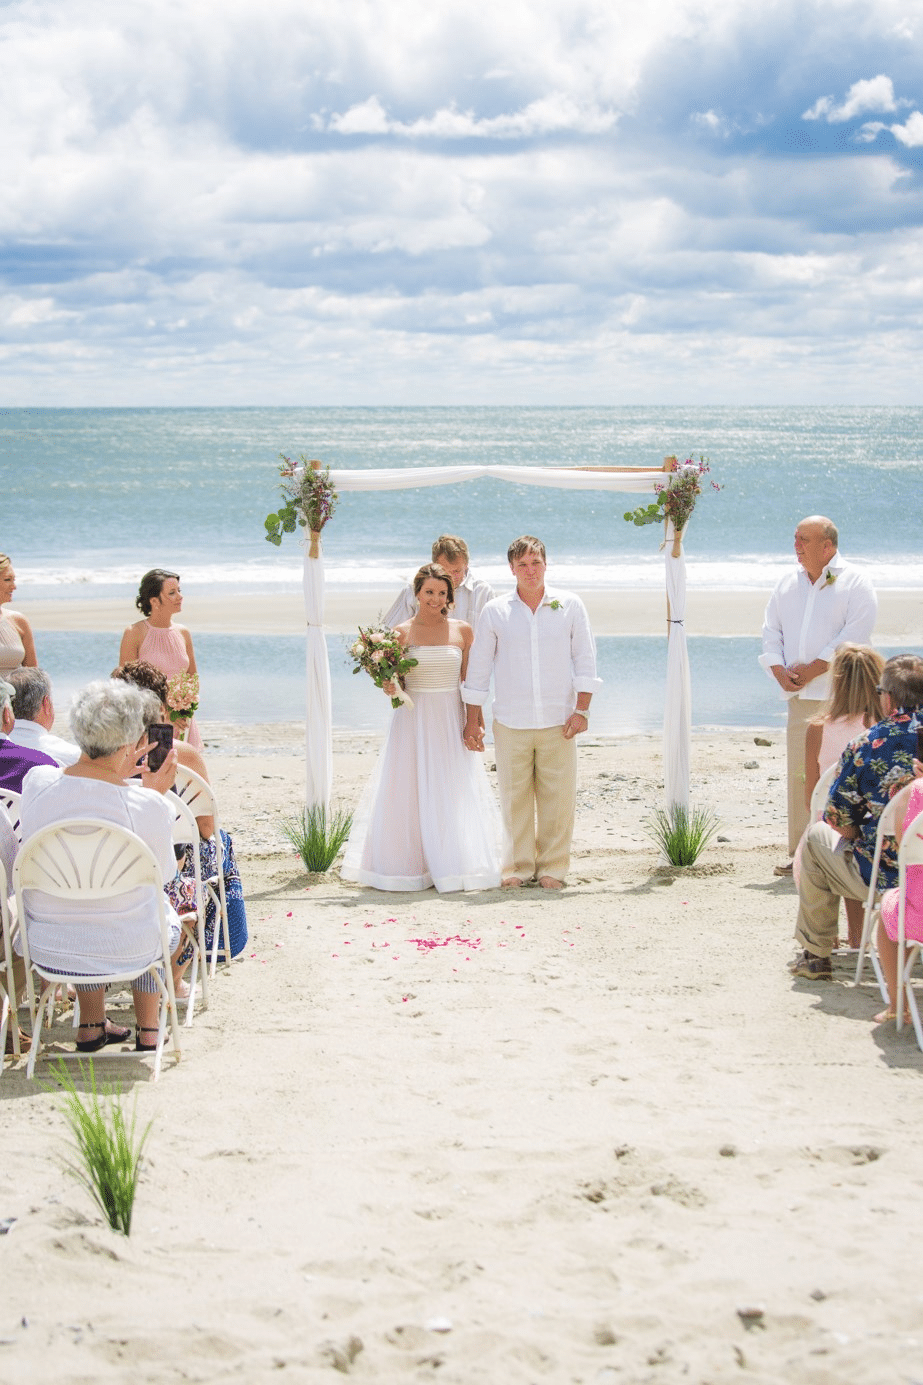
[911, 132]
[549, 115]
[872, 94]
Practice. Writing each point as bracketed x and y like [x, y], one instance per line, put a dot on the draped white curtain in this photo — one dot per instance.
[637, 480]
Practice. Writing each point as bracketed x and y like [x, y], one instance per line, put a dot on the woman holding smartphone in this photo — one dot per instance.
[157, 640]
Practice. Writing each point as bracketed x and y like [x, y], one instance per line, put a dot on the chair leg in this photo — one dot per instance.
[4, 1024]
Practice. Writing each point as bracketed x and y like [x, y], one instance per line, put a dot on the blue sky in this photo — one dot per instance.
[564, 201]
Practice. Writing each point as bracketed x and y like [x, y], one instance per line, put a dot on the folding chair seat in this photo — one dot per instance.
[90, 860]
[199, 797]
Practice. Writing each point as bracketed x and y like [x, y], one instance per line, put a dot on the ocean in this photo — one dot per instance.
[94, 497]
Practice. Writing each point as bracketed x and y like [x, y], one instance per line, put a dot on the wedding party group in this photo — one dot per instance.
[134, 744]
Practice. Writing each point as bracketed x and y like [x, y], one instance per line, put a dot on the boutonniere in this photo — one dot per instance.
[555, 605]
[830, 578]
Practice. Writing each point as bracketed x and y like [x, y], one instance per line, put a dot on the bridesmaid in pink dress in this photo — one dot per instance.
[156, 639]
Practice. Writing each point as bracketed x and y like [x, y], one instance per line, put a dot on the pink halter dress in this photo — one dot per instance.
[166, 650]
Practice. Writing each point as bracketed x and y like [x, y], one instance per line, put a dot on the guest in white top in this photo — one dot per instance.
[822, 604]
[33, 709]
[107, 721]
[538, 645]
[471, 593]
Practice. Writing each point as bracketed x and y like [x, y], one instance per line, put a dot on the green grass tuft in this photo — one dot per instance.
[316, 837]
[682, 833]
[109, 1155]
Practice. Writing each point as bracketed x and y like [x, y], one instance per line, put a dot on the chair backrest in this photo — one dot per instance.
[821, 792]
[85, 858]
[197, 794]
[911, 848]
[11, 801]
[185, 830]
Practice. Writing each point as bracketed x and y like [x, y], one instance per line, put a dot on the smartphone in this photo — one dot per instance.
[920, 742]
[161, 733]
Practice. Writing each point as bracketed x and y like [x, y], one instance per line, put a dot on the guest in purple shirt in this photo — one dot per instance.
[15, 760]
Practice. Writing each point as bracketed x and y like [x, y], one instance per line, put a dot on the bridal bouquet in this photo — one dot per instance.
[182, 697]
[381, 655]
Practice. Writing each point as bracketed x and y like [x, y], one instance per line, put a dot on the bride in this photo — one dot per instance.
[428, 816]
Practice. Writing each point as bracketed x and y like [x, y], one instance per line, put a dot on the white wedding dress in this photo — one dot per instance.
[427, 816]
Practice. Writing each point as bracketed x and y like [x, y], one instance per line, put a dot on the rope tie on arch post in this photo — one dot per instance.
[634, 480]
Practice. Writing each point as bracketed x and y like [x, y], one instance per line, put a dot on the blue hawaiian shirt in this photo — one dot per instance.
[873, 768]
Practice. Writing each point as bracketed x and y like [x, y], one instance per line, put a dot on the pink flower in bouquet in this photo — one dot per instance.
[182, 696]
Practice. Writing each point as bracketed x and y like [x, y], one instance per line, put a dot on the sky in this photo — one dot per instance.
[398, 202]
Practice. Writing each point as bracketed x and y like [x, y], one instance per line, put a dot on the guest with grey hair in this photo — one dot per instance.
[15, 760]
[107, 722]
[33, 709]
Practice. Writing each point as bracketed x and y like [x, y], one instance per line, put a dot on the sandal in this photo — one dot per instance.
[108, 1034]
[139, 1046]
[884, 1016]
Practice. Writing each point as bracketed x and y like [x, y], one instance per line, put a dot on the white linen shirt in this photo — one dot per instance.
[35, 737]
[805, 621]
[540, 660]
[471, 596]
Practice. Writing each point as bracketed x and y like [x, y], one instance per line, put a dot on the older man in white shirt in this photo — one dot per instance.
[823, 604]
[471, 593]
[538, 645]
[33, 709]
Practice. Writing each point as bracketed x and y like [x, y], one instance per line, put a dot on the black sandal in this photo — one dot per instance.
[107, 1035]
[145, 1029]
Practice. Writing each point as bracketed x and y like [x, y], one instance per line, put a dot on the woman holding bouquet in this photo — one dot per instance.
[158, 641]
[428, 816]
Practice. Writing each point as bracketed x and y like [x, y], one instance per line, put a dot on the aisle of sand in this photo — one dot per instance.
[497, 1138]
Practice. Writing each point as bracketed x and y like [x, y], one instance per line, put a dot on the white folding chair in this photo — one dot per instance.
[11, 801]
[887, 827]
[910, 853]
[199, 797]
[186, 833]
[8, 1009]
[821, 792]
[89, 860]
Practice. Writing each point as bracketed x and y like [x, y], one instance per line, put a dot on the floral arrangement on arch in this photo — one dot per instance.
[379, 653]
[676, 496]
[310, 500]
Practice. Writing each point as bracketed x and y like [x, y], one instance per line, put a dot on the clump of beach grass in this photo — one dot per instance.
[682, 833]
[317, 835]
[109, 1153]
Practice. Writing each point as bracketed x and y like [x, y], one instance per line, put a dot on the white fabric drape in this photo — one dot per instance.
[318, 725]
[637, 481]
[677, 711]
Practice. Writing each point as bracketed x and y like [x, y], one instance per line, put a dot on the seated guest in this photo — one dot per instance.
[181, 891]
[107, 722]
[471, 593]
[15, 760]
[909, 805]
[8, 848]
[838, 852]
[34, 713]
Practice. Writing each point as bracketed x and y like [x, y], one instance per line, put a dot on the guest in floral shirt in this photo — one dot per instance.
[838, 852]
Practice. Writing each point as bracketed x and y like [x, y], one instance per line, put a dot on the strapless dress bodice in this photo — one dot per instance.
[438, 668]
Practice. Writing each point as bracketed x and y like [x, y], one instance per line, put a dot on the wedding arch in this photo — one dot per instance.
[677, 724]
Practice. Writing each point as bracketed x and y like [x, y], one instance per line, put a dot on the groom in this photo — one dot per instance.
[538, 645]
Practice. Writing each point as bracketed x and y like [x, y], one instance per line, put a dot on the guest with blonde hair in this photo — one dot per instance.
[17, 645]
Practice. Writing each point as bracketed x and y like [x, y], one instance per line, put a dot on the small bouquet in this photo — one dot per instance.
[183, 698]
[379, 652]
[310, 500]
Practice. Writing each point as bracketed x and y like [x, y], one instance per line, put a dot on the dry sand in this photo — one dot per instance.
[500, 1138]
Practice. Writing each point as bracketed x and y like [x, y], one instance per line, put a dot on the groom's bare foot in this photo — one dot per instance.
[510, 882]
[548, 882]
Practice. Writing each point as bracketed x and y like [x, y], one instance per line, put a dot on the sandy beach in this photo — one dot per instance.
[601, 1136]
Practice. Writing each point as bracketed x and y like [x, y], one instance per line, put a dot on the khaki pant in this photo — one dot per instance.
[537, 779]
[827, 875]
[800, 711]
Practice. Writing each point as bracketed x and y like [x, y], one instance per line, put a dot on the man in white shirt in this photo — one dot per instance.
[33, 709]
[823, 604]
[538, 645]
[471, 593]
